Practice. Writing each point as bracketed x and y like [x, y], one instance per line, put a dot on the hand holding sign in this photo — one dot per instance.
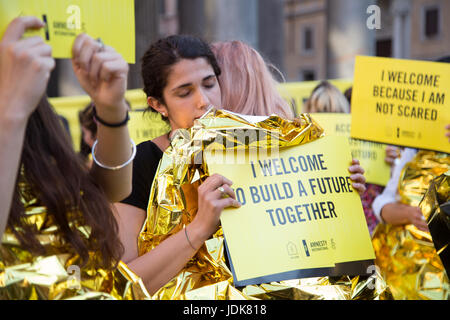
[392, 153]
[211, 202]
[102, 73]
[357, 176]
[26, 65]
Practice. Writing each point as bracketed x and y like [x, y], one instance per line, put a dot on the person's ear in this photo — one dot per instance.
[156, 105]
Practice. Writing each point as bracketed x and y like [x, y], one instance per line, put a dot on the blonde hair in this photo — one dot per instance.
[327, 98]
[246, 83]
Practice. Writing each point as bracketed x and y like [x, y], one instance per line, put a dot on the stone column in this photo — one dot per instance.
[271, 32]
[348, 36]
[401, 12]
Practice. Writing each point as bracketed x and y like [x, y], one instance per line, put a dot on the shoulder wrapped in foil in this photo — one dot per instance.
[407, 256]
[56, 275]
[173, 205]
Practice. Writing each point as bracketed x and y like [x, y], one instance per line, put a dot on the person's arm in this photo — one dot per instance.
[25, 67]
[396, 213]
[130, 220]
[162, 263]
[102, 73]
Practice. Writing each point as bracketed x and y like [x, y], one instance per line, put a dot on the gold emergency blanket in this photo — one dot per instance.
[173, 205]
[407, 256]
[56, 275]
[436, 206]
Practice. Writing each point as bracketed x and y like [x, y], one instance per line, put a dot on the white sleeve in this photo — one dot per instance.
[389, 194]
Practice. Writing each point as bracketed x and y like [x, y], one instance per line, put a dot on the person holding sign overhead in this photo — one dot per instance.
[59, 233]
[386, 206]
[403, 243]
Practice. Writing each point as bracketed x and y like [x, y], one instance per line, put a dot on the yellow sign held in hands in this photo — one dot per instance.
[401, 102]
[300, 216]
[111, 21]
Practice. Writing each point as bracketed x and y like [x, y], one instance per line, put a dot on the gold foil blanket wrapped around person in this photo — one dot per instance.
[436, 206]
[57, 274]
[173, 205]
[407, 257]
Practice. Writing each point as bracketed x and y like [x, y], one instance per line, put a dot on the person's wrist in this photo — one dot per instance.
[112, 114]
[14, 117]
[197, 233]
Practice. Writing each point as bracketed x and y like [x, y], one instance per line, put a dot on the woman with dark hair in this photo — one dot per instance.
[180, 81]
[51, 206]
[180, 76]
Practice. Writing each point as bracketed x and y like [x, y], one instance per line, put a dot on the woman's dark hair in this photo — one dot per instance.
[164, 53]
[86, 118]
[62, 183]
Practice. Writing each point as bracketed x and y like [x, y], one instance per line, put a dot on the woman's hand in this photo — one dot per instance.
[401, 214]
[357, 176]
[211, 202]
[415, 217]
[392, 153]
[25, 66]
[102, 73]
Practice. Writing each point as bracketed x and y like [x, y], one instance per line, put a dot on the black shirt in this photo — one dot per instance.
[145, 165]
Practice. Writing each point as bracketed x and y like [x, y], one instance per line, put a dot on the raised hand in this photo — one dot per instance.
[101, 71]
[25, 66]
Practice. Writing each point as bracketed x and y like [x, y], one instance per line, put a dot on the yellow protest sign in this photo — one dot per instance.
[112, 21]
[299, 212]
[370, 154]
[401, 102]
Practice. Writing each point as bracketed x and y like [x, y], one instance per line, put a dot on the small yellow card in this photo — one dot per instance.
[370, 154]
[298, 211]
[401, 102]
[110, 20]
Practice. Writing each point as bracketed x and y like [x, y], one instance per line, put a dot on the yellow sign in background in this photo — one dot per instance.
[370, 154]
[142, 126]
[401, 102]
[286, 225]
[150, 126]
[112, 21]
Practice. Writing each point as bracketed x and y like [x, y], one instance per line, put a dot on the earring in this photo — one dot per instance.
[164, 114]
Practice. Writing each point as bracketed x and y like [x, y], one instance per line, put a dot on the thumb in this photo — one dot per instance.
[19, 25]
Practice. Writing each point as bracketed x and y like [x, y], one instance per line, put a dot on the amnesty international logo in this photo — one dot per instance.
[305, 246]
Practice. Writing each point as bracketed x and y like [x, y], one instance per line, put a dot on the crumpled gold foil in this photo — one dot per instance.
[406, 255]
[438, 217]
[173, 205]
[57, 274]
